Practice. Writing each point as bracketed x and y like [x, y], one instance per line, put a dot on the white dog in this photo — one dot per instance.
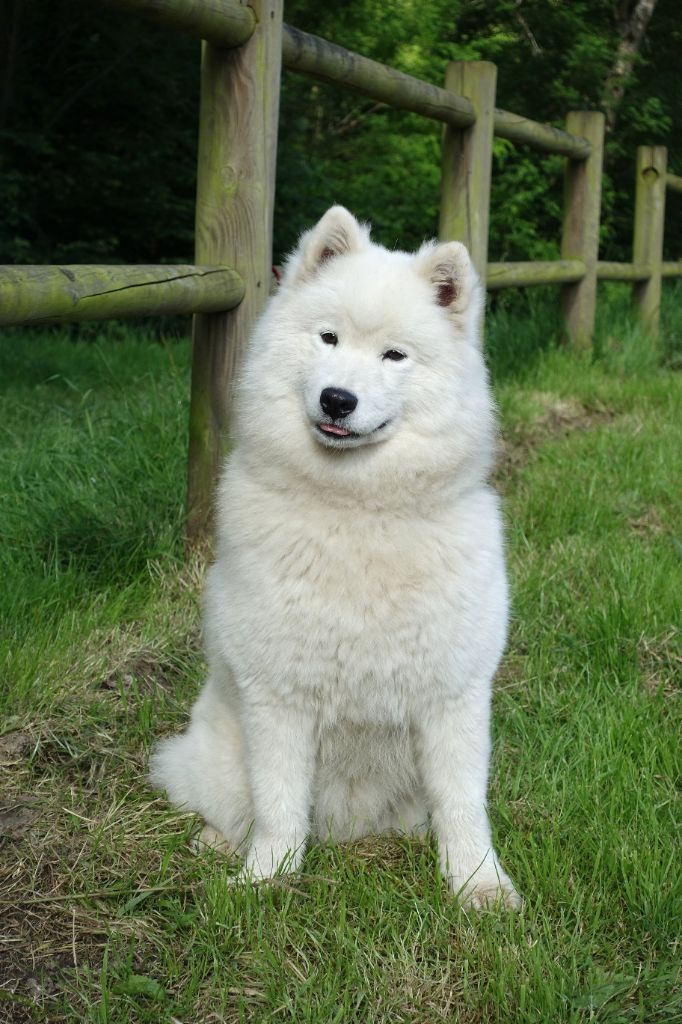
[357, 608]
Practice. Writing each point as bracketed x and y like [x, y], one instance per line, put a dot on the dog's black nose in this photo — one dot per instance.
[337, 403]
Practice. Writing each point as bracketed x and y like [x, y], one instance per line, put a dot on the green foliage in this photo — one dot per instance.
[98, 125]
[551, 58]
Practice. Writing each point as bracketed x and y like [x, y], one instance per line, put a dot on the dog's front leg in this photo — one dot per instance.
[453, 749]
[280, 755]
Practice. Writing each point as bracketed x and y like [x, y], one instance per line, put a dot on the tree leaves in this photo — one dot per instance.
[100, 109]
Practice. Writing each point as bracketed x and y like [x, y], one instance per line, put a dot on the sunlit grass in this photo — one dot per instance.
[108, 916]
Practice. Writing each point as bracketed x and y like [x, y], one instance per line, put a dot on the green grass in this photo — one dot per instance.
[107, 914]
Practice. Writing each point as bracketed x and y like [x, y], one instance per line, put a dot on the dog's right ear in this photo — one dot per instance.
[448, 268]
[338, 233]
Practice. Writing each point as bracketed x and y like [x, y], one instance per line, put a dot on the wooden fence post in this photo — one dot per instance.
[647, 244]
[580, 234]
[235, 199]
[467, 162]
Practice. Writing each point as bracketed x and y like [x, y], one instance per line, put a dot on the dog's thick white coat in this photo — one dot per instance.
[357, 608]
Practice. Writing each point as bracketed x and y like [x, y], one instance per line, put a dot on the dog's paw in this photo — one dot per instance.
[486, 888]
[265, 860]
[210, 838]
[489, 897]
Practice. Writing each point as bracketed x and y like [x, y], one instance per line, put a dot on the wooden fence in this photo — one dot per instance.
[243, 50]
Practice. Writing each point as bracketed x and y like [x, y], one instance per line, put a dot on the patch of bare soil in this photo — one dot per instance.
[660, 663]
[649, 522]
[129, 664]
[145, 672]
[13, 746]
[512, 673]
[17, 815]
[556, 417]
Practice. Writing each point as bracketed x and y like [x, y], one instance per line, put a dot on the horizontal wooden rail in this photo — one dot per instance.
[607, 271]
[516, 275]
[229, 23]
[37, 294]
[223, 22]
[311, 55]
[328, 62]
[673, 182]
[522, 131]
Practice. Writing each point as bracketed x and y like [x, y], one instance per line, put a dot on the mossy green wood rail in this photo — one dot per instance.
[609, 271]
[515, 275]
[328, 62]
[54, 294]
[223, 22]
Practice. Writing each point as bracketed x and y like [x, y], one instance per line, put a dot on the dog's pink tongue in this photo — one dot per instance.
[331, 428]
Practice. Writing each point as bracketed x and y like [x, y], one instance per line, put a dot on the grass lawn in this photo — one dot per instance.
[108, 916]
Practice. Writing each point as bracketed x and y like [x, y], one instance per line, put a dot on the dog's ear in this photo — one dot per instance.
[449, 270]
[336, 234]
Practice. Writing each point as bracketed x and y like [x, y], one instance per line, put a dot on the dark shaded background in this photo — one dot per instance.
[99, 120]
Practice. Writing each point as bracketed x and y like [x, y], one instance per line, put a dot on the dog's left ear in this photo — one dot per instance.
[337, 234]
[456, 287]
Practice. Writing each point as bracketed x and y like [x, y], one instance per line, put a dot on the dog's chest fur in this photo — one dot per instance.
[357, 611]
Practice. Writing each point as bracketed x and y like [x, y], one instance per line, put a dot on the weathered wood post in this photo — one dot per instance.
[580, 234]
[467, 162]
[647, 243]
[235, 199]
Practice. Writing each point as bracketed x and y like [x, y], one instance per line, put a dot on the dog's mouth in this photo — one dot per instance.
[335, 432]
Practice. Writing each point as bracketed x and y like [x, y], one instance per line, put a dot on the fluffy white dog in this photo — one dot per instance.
[357, 608]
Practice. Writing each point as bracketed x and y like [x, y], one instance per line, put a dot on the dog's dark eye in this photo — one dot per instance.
[328, 337]
[394, 355]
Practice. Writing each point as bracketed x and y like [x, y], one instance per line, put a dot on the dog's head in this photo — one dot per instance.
[368, 360]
